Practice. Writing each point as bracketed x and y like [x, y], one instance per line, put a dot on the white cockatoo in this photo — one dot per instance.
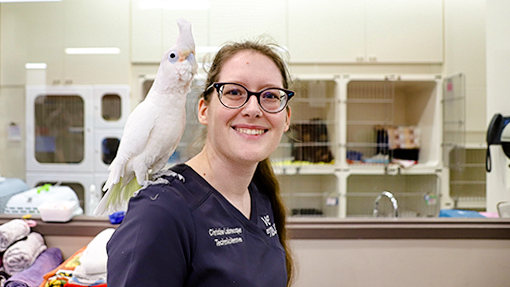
[154, 127]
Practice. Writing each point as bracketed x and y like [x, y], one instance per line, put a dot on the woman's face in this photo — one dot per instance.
[248, 134]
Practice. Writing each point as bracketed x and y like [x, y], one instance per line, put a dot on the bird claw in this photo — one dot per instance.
[158, 178]
[155, 181]
[168, 172]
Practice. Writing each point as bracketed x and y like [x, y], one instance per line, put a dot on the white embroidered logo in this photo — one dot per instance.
[226, 235]
[271, 228]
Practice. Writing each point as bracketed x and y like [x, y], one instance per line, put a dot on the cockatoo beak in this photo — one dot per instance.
[190, 57]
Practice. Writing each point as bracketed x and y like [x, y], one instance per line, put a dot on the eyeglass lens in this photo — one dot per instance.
[234, 96]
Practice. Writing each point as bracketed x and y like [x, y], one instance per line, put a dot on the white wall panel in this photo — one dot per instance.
[324, 31]
[400, 31]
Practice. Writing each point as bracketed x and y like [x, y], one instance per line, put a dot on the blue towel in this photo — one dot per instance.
[459, 213]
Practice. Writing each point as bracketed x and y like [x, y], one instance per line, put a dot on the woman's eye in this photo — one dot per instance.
[233, 92]
[270, 95]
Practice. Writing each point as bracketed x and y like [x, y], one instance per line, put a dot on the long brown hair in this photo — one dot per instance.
[264, 177]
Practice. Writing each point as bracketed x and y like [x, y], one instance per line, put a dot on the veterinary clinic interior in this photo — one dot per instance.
[396, 167]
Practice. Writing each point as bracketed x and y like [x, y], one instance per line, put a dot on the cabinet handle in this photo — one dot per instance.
[372, 59]
[359, 59]
[56, 82]
[69, 82]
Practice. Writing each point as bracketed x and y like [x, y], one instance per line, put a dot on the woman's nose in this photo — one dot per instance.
[252, 106]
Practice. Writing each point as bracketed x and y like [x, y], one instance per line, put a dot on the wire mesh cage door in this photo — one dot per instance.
[370, 110]
[312, 135]
[454, 121]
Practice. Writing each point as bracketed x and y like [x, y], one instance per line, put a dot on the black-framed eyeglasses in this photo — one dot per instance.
[234, 96]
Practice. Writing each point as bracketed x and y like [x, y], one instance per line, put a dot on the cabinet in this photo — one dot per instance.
[40, 33]
[335, 160]
[155, 30]
[72, 135]
[359, 31]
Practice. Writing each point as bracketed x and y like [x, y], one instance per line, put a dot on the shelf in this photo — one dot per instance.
[471, 202]
[314, 100]
[380, 169]
[308, 122]
[376, 194]
[303, 168]
[471, 165]
[467, 182]
[369, 101]
[312, 144]
[369, 123]
[359, 144]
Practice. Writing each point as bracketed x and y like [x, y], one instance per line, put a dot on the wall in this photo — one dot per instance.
[402, 263]
[498, 87]
[382, 263]
[464, 51]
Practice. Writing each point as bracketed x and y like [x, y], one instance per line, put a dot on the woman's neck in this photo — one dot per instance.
[229, 178]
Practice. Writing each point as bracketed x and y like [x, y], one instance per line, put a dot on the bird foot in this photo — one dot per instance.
[168, 172]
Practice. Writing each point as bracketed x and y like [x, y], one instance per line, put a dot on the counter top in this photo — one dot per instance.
[326, 228]
[399, 228]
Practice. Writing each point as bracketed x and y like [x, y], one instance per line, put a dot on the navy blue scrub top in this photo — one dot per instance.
[185, 233]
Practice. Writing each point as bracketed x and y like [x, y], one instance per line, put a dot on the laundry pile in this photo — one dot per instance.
[86, 267]
[26, 261]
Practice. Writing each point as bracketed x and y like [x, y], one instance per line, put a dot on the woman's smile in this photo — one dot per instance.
[249, 131]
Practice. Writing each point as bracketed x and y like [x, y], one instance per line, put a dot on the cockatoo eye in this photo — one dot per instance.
[173, 56]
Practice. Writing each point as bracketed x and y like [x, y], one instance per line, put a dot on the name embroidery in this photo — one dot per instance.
[271, 227]
[227, 235]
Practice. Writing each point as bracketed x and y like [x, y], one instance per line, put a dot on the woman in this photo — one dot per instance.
[221, 221]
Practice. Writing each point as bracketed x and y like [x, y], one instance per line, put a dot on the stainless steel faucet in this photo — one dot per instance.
[393, 202]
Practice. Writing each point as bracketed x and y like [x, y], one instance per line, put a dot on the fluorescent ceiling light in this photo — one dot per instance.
[15, 1]
[92, 51]
[35, 66]
[175, 4]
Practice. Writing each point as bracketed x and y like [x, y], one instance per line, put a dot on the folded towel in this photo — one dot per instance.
[12, 231]
[33, 276]
[22, 254]
[92, 268]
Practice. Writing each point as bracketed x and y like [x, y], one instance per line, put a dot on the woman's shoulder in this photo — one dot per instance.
[178, 185]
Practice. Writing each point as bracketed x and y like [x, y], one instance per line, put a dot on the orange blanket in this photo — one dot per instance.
[69, 264]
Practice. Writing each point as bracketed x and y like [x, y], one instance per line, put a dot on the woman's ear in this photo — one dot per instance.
[202, 111]
[287, 119]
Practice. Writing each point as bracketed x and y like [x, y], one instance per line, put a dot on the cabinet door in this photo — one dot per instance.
[454, 122]
[400, 31]
[31, 33]
[233, 20]
[342, 21]
[97, 23]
